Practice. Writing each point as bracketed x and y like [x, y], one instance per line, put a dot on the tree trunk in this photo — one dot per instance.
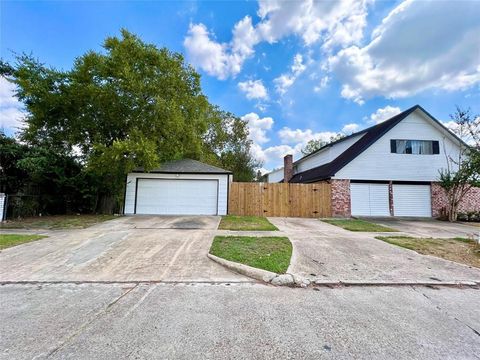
[106, 204]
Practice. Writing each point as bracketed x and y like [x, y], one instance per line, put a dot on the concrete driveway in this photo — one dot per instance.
[419, 227]
[327, 253]
[140, 248]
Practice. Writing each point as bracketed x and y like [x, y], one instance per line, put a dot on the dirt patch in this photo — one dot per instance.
[460, 250]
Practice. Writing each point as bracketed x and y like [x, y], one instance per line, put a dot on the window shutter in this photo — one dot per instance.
[393, 146]
[436, 147]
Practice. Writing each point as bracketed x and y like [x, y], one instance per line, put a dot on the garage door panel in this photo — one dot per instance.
[412, 200]
[369, 199]
[177, 197]
[379, 204]
[360, 199]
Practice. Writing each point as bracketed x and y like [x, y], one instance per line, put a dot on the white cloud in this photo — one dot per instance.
[350, 128]
[258, 127]
[337, 23]
[284, 81]
[323, 84]
[302, 137]
[420, 45]
[253, 89]
[220, 59]
[11, 114]
[384, 114]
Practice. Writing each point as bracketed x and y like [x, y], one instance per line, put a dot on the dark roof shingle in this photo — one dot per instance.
[186, 166]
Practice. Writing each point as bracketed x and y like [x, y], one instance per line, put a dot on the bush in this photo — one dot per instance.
[470, 216]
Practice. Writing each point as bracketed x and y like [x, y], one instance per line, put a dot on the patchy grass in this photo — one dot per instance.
[9, 240]
[460, 250]
[56, 222]
[268, 253]
[358, 225]
[246, 223]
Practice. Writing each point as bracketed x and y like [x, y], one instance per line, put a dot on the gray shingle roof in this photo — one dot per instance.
[186, 166]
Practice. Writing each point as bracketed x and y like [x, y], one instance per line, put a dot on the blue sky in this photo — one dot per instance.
[294, 70]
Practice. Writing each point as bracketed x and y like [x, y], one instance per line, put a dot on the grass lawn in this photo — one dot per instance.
[246, 223]
[358, 225]
[9, 240]
[56, 222]
[268, 253]
[460, 250]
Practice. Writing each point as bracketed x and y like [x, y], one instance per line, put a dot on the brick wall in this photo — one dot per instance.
[471, 201]
[341, 198]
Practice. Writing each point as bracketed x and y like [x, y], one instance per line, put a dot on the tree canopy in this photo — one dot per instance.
[316, 144]
[130, 105]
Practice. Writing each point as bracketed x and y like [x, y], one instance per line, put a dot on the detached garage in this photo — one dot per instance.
[183, 187]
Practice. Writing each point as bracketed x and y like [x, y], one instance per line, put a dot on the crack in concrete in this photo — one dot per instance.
[85, 325]
[475, 331]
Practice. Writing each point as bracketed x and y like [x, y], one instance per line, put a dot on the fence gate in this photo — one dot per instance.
[278, 199]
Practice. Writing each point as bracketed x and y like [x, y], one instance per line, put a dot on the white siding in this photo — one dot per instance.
[275, 176]
[3, 198]
[377, 163]
[222, 187]
[326, 155]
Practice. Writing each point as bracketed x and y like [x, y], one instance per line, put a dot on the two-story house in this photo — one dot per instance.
[390, 169]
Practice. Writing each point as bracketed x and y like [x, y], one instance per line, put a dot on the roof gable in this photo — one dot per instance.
[372, 134]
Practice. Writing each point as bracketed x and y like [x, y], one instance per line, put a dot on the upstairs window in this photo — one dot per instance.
[415, 147]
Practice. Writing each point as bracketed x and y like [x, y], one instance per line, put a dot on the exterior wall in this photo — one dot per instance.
[471, 201]
[223, 180]
[326, 155]
[378, 163]
[3, 198]
[275, 176]
[341, 206]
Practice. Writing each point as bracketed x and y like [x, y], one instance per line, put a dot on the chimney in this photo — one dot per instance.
[287, 168]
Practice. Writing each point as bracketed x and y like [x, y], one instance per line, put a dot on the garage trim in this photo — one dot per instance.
[146, 178]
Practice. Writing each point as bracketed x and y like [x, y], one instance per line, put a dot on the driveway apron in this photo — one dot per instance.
[140, 248]
[327, 253]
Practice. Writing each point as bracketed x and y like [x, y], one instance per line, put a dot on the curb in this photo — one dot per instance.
[298, 281]
[262, 275]
[400, 283]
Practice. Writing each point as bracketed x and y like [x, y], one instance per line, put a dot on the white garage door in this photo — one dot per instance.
[177, 197]
[412, 200]
[369, 199]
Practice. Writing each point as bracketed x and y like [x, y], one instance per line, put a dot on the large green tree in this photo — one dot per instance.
[130, 105]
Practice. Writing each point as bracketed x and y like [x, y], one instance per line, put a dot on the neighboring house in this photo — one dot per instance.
[183, 187]
[390, 169]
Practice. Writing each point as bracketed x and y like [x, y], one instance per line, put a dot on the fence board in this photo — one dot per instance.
[268, 199]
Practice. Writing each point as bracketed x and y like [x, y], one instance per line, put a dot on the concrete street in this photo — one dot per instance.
[237, 321]
[143, 288]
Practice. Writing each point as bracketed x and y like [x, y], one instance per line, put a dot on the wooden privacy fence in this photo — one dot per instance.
[268, 199]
